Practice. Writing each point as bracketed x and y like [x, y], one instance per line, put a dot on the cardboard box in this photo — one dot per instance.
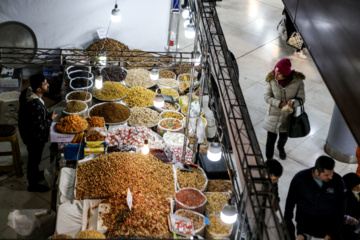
[63, 137]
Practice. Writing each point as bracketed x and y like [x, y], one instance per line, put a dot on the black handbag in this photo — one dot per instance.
[298, 126]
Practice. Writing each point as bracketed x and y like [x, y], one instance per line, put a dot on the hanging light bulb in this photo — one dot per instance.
[145, 149]
[99, 82]
[115, 14]
[228, 213]
[190, 30]
[102, 59]
[186, 12]
[159, 101]
[214, 152]
[154, 73]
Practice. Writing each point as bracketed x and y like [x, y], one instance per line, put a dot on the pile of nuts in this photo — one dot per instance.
[145, 117]
[216, 201]
[194, 179]
[114, 173]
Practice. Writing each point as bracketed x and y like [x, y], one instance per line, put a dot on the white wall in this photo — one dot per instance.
[58, 23]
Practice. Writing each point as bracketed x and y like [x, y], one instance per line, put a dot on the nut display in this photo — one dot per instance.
[169, 92]
[147, 218]
[139, 78]
[197, 219]
[194, 179]
[111, 91]
[75, 106]
[111, 112]
[115, 172]
[113, 73]
[140, 97]
[219, 186]
[80, 95]
[90, 234]
[172, 114]
[168, 82]
[215, 202]
[94, 136]
[71, 124]
[96, 121]
[171, 106]
[110, 45]
[163, 73]
[61, 236]
[217, 227]
[145, 117]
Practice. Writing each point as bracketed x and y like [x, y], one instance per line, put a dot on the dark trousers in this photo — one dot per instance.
[35, 151]
[270, 143]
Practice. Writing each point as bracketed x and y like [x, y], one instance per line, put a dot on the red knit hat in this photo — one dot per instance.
[283, 66]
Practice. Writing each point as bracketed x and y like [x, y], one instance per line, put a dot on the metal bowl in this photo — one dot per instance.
[102, 116]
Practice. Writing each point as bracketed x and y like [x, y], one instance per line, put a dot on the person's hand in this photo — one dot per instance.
[53, 116]
[290, 103]
[300, 237]
[282, 104]
[327, 237]
[356, 222]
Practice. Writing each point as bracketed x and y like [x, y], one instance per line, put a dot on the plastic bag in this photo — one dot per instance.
[49, 174]
[281, 28]
[201, 132]
[24, 221]
[194, 109]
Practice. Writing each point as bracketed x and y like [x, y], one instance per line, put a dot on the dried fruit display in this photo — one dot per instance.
[197, 218]
[115, 172]
[90, 234]
[139, 78]
[140, 97]
[217, 227]
[110, 45]
[113, 73]
[71, 124]
[216, 201]
[111, 91]
[96, 121]
[144, 117]
[163, 73]
[219, 186]
[147, 218]
[194, 179]
[111, 112]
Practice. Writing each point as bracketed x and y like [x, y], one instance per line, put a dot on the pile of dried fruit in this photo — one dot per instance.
[140, 97]
[219, 186]
[111, 91]
[96, 121]
[217, 226]
[110, 45]
[194, 179]
[114, 173]
[111, 112]
[139, 78]
[71, 124]
[145, 117]
[148, 216]
[197, 219]
[216, 201]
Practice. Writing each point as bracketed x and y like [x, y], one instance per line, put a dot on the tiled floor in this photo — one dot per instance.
[250, 31]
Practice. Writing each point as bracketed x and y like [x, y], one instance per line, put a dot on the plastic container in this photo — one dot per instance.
[77, 68]
[174, 135]
[88, 102]
[80, 74]
[200, 231]
[184, 111]
[195, 192]
[83, 113]
[211, 235]
[161, 130]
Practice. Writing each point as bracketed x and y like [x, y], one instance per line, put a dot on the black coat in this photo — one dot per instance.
[319, 211]
[34, 119]
[353, 210]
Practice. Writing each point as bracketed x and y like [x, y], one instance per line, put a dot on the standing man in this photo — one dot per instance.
[319, 196]
[34, 125]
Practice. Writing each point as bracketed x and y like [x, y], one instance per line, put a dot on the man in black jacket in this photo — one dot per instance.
[34, 125]
[319, 196]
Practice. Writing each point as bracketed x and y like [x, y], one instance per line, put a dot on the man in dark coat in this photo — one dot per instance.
[319, 196]
[34, 125]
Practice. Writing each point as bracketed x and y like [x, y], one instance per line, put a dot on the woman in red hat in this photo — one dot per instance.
[283, 86]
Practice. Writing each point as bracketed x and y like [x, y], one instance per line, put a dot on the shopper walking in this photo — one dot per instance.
[319, 196]
[275, 171]
[34, 125]
[352, 211]
[283, 86]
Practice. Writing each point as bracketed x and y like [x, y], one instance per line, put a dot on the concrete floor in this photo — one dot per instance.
[250, 32]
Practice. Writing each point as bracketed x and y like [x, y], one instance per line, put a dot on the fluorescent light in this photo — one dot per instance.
[99, 82]
[214, 152]
[145, 149]
[228, 214]
[115, 14]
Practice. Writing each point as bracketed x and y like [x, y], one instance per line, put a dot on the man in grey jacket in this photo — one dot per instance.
[284, 85]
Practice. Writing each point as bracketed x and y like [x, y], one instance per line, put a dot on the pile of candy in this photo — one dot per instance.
[134, 136]
[175, 154]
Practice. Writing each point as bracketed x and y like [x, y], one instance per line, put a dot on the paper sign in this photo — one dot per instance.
[102, 33]
[129, 199]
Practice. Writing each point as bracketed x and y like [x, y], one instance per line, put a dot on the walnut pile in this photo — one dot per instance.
[113, 173]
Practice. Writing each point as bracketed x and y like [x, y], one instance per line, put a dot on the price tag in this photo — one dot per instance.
[129, 199]
[102, 33]
[207, 221]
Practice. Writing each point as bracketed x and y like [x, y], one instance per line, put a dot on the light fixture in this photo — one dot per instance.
[159, 101]
[195, 58]
[214, 152]
[102, 59]
[154, 73]
[145, 149]
[186, 12]
[190, 30]
[99, 82]
[187, 21]
[115, 14]
[228, 213]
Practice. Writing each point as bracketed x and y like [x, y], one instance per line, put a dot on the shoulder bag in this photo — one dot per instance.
[295, 40]
[298, 126]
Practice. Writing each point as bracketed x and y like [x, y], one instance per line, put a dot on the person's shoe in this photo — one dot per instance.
[40, 177]
[304, 51]
[282, 153]
[299, 55]
[38, 188]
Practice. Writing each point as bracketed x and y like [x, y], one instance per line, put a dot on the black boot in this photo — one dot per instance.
[282, 153]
